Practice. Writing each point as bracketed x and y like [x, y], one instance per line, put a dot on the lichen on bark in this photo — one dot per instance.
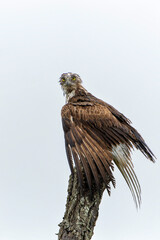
[81, 212]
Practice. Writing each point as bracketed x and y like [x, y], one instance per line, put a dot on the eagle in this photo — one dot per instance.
[97, 137]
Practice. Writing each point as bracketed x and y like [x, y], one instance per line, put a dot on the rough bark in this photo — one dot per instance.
[81, 212]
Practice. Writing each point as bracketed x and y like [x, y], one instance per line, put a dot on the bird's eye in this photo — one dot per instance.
[74, 78]
[63, 79]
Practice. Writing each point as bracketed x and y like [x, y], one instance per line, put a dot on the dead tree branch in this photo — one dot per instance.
[81, 212]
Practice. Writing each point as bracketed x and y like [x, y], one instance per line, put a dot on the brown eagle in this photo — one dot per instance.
[97, 136]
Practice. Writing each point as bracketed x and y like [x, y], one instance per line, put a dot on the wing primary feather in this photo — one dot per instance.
[94, 138]
[78, 167]
[69, 155]
[86, 167]
[91, 164]
[75, 156]
[89, 157]
[99, 159]
[142, 146]
[91, 146]
[102, 157]
[78, 142]
[139, 143]
[99, 166]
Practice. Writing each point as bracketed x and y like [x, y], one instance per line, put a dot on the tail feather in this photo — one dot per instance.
[121, 157]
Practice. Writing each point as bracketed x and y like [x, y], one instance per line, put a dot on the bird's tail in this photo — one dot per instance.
[122, 159]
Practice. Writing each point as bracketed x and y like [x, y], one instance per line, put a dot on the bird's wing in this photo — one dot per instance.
[136, 139]
[94, 137]
[91, 157]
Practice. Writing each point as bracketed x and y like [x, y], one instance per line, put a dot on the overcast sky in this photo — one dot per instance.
[115, 47]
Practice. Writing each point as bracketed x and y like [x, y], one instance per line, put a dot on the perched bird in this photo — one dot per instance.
[97, 136]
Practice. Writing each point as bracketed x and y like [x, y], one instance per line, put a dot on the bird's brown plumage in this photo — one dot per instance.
[96, 137]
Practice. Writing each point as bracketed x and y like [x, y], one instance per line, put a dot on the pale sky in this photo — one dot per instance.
[115, 47]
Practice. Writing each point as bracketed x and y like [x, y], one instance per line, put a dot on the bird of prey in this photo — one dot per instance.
[97, 137]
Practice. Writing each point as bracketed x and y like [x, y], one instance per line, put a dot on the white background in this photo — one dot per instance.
[115, 47]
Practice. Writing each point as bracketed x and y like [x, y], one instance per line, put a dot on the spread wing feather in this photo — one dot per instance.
[82, 156]
[69, 154]
[86, 159]
[71, 141]
[95, 136]
[97, 160]
[93, 157]
[132, 133]
[103, 157]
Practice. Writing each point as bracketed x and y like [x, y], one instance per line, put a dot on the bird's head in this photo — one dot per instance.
[69, 83]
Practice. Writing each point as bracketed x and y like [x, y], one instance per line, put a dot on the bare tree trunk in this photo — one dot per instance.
[81, 212]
